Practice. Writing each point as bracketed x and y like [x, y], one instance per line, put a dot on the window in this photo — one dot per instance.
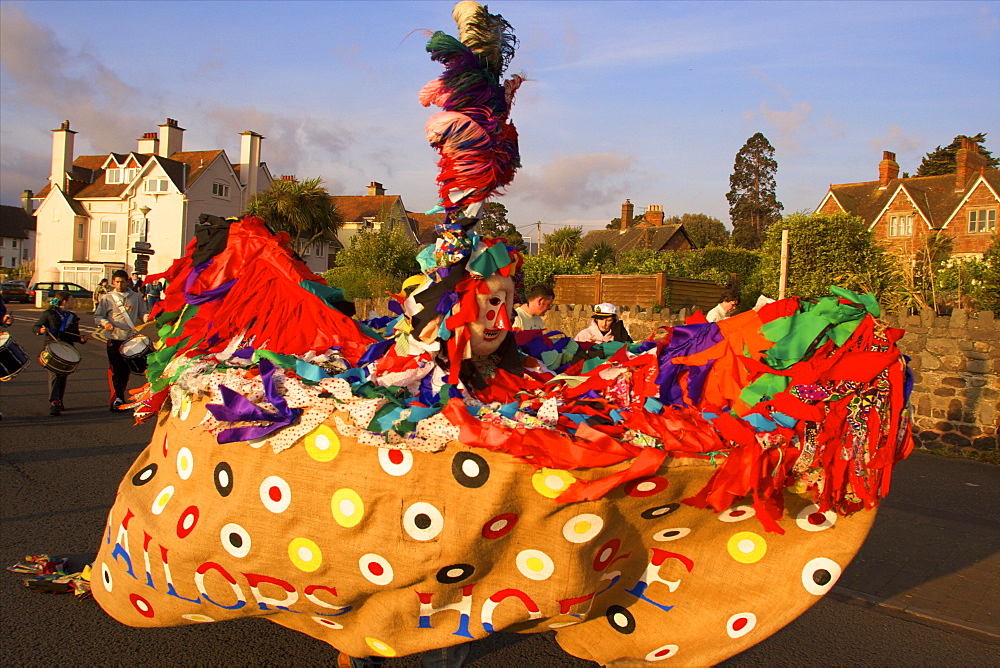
[79, 230]
[156, 185]
[320, 248]
[13, 243]
[113, 176]
[130, 174]
[108, 229]
[983, 220]
[900, 226]
[1, 242]
[24, 253]
[135, 227]
[220, 190]
[13, 262]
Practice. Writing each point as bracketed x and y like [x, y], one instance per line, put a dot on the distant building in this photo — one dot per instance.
[95, 207]
[373, 211]
[902, 212]
[17, 236]
[650, 233]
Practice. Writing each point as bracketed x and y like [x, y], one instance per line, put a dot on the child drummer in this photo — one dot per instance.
[60, 324]
[120, 312]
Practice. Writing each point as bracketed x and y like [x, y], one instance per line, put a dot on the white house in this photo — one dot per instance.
[17, 238]
[95, 207]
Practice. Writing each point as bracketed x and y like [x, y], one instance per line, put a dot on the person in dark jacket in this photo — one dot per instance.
[60, 323]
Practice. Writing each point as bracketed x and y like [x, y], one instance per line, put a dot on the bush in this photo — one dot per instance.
[541, 268]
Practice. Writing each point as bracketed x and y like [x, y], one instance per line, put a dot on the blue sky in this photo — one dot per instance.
[649, 101]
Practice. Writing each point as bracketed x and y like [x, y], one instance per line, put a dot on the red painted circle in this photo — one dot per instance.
[375, 568]
[739, 623]
[499, 526]
[396, 457]
[646, 486]
[491, 315]
[141, 605]
[664, 652]
[737, 513]
[816, 519]
[182, 530]
[274, 493]
[606, 554]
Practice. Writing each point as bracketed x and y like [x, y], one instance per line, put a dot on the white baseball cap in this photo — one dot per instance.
[605, 309]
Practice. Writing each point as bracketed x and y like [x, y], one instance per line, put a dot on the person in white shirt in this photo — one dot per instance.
[119, 313]
[725, 308]
[529, 315]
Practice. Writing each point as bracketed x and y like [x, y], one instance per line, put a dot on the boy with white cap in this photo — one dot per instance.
[604, 327]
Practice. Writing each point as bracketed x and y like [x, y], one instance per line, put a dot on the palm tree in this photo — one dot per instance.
[301, 208]
[563, 242]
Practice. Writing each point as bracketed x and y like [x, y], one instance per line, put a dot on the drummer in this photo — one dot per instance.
[119, 313]
[59, 323]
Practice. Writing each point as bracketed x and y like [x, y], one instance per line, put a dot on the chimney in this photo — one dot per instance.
[62, 156]
[26, 203]
[149, 143]
[250, 161]
[654, 215]
[627, 209]
[171, 138]
[375, 189]
[288, 177]
[968, 161]
[888, 169]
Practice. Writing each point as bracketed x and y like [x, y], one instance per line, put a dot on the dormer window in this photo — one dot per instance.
[900, 226]
[113, 176]
[220, 190]
[130, 174]
[156, 186]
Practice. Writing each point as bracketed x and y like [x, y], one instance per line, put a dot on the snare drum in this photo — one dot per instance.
[13, 359]
[134, 350]
[59, 357]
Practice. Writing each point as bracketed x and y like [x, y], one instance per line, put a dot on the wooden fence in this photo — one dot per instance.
[646, 290]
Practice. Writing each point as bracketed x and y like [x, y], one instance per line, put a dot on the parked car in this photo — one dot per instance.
[49, 289]
[15, 291]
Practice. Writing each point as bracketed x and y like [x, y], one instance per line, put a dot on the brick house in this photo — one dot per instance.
[95, 207]
[904, 211]
[649, 233]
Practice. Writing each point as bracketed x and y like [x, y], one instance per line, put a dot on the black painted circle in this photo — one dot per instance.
[620, 619]
[235, 540]
[822, 577]
[144, 475]
[659, 511]
[445, 575]
[223, 478]
[465, 460]
[422, 521]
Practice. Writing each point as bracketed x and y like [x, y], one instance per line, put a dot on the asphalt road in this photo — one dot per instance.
[58, 477]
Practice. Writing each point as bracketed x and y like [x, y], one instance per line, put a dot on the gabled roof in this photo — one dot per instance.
[355, 208]
[423, 226]
[934, 197]
[655, 238]
[15, 222]
[196, 161]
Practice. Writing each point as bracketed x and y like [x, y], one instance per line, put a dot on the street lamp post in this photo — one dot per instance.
[142, 249]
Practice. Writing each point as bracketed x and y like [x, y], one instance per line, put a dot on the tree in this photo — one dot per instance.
[752, 202]
[943, 161]
[563, 242]
[375, 263]
[703, 230]
[600, 256]
[494, 223]
[301, 208]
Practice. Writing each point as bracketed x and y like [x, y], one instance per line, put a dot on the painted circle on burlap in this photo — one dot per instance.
[737, 514]
[741, 624]
[470, 470]
[643, 487]
[106, 579]
[661, 653]
[455, 573]
[347, 507]
[187, 521]
[185, 408]
[144, 475]
[376, 569]
[620, 619]
[141, 605]
[747, 547]
[656, 512]
[185, 463]
[671, 534]
[499, 526]
[582, 528]
[166, 449]
[305, 554]
[161, 500]
[235, 540]
[223, 477]
[383, 649]
[395, 462]
[550, 483]
[322, 443]
[195, 617]
[811, 519]
[535, 564]
[422, 521]
[275, 494]
[328, 623]
[606, 554]
[819, 575]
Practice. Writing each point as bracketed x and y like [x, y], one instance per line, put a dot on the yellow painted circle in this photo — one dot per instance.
[305, 554]
[747, 547]
[161, 499]
[582, 528]
[185, 408]
[322, 443]
[194, 617]
[551, 483]
[380, 647]
[347, 507]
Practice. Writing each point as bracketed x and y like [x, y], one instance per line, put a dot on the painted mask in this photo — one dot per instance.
[491, 327]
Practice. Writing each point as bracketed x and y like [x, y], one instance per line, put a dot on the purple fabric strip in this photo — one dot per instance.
[237, 408]
[686, 340]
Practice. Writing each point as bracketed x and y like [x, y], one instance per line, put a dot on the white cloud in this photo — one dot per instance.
[896, 141]
[576, 183]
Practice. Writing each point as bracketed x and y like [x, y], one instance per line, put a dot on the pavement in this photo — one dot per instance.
[923, 590]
